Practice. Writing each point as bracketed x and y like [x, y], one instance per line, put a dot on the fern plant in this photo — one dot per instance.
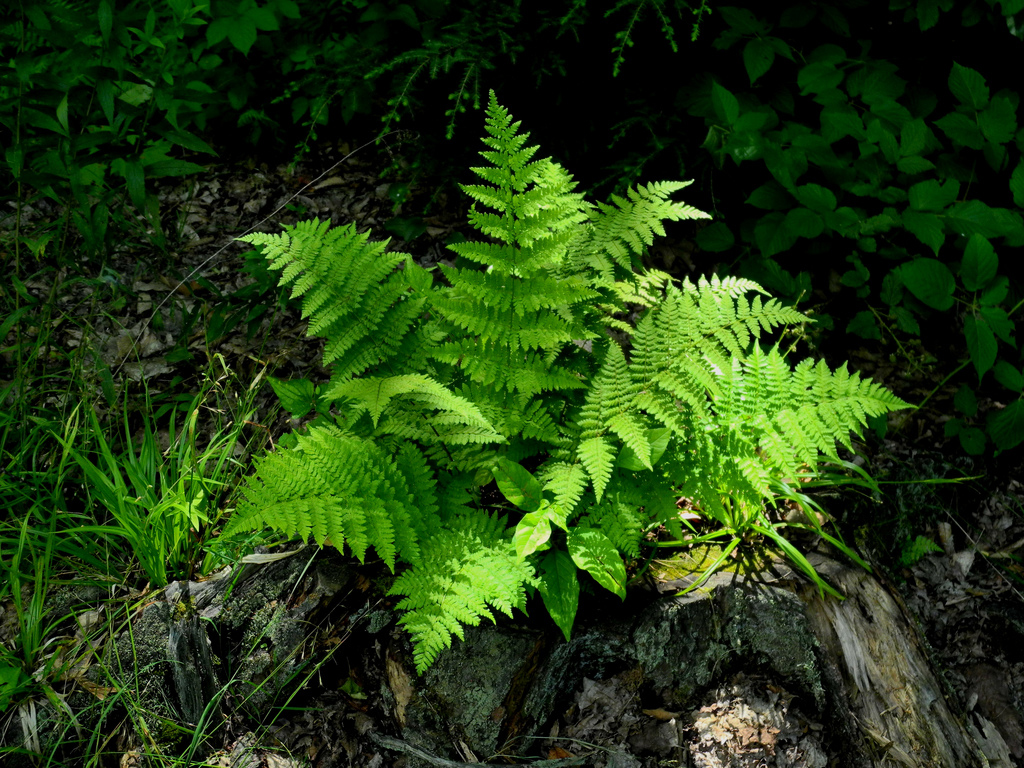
[516, 370]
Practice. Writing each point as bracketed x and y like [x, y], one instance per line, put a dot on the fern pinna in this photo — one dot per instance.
[522, 352]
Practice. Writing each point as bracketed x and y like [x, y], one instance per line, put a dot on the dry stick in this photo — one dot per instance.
[260, 223]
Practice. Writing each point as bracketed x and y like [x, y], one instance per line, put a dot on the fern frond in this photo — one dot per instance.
[466, 571]
[355, 295]
[338, 489]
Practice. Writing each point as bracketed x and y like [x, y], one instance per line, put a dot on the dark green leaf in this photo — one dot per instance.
[296, 395]
[841, 120]
[905, 321]
[994, 294]
[962, 130]
[560, 589]
[966, 401]
[188, 140]
[803, 222]
[242, 33]
[796, 16]
[999, 321]
[981, 344]
[742, 20]
[968, 86]
[1007, 426]
[1009, 376]
[930, 196]
[771, 196]
[172, 168]
[998, 121]
[517, 484]
[864, 325]
[816, 197]
[815, 78]
[972, 440]
[772, 235]
[930, 281]
[914, 165]
[758, 55]
[105, 18]
[914, 138]
[974, 217]
[135, 178]
[1017, 185]
[715, 238]
[725, 104]
[980, 263]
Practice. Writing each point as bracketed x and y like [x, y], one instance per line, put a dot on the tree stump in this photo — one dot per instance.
[751, 669]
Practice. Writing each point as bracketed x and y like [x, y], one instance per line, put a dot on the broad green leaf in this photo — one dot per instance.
[844, 220]
[804, 223]
[885, 139]
[914, 138]
[1007, 426]
[930, 281]
[962, 130]
[931, 196]
[968, 86]
[980, 263]
[966, 401]
[975, 217]
[758, 56]
[1000, 323]
[998, 121]
[914, 165]
[532, 534]
[981, 344]
[658, 441]
[995, 293]
[242, 33]
[594, 553]
[816, 197]
[816, 78]
[882, 85]
[715, 238]
[725, 104]
[742, 20]
[972, 440]
[772, 196]
[839, 120]
[560, 589]
[1009, 376]
[517, 484]
[905, 321]
[296, 395]
[772, 235]
[864, 325]
[1017, 184]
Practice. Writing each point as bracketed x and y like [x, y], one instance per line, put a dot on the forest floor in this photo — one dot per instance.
[965, 586]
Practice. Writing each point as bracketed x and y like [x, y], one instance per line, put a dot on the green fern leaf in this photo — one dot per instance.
[465, 571]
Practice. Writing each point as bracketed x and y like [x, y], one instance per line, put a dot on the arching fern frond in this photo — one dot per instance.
[466, 571]
[355, 294]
